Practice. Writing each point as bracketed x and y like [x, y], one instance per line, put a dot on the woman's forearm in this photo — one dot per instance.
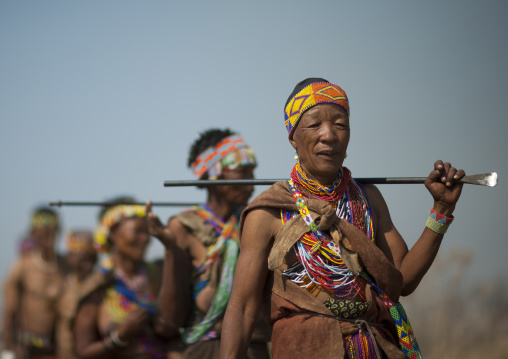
[418, 260]
[173, 296]
[237, 329]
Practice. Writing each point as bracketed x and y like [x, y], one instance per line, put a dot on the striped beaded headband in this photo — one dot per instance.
[311, 95]
[110, 219]
[230, 153]
[44, 219]
[80, 242]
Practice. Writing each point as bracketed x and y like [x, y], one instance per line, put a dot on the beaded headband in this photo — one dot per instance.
[110, 219]
[311, 95]
[80, 242]
[44, 219]
[230, 153]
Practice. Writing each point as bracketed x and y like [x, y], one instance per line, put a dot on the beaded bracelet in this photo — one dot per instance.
[438, 222]
[115, 340]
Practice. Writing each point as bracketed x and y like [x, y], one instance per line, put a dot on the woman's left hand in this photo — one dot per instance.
[444, 186]
[136, 321]
[157, 229]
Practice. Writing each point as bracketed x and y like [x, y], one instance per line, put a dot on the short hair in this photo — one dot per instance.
[207, 139]
[46, 210]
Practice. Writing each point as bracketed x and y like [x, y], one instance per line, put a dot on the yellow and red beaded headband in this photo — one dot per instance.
[311, 95]
[80, 242]
[214, 159]
[111, 218]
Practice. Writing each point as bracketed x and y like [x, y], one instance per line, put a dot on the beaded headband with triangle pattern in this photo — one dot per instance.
[309, 96]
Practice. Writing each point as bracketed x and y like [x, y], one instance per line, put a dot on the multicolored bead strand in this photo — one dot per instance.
[360, 346]
[320, 264]
[122, 299]
[225, 231]
[315, 190]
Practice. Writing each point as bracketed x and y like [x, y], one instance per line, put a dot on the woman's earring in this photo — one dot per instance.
[345, 156]
[296, 157]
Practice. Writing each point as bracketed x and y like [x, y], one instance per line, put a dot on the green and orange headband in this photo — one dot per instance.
[312, 95]
[229, 154]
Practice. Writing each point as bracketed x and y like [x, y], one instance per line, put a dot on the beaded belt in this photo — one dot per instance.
[28, 339]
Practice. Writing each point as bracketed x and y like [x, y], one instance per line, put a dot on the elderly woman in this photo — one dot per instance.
[118, 316]
[326, 249]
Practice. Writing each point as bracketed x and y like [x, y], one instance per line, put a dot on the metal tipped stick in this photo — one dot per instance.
[485, 179]
[104, 204]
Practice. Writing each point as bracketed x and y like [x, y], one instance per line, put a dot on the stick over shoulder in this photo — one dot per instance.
[485, 179]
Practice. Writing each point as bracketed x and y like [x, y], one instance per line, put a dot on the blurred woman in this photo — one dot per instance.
[117, 316]
[31, 291]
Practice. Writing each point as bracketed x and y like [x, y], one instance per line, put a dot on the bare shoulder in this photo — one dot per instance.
[376, 200]
[17, 267]
[373, 193]
[261, 224]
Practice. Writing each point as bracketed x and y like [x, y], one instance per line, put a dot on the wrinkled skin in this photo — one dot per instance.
[320, 140]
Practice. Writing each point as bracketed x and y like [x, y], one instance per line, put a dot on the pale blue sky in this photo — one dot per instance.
[101, 98]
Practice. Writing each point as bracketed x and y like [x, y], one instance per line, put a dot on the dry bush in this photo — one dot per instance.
[456, 316]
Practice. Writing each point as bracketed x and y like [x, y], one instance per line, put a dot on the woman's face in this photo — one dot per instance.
[321, 140]
[44, 237]
[237, 195]
[130, 238]
[81, 263]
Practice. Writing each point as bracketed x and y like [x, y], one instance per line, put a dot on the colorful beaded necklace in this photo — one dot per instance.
[224, 230]
[313, 189]
[127, 295]
[320, 264]
[227, 246]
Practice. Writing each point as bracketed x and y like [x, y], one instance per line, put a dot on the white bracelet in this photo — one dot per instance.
[7, 354]
[116, 340]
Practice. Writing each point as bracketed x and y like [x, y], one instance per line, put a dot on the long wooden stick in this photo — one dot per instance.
[485, 179]
[103, 204]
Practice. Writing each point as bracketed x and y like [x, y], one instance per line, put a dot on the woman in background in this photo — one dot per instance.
[117, 316]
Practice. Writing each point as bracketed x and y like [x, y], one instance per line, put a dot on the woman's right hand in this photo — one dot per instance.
[157, 229]
[135, 322]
